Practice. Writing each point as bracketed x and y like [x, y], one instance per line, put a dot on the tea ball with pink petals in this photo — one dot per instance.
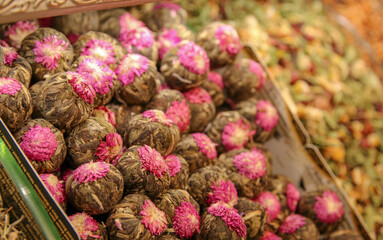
[202, 108]
[345, 234]
[174, 105]
[262, 115]
[214, 86]
[136, 217]
[185, 66]
[181, 211]
[55, 187]
[324, 207]
[221, 43]
[270, 236]
[100, 46]
[106, 114]
[43, 144]
[272, 206]
[178, 171]
[118, 20]
[15, 103]
[297, 226]
[101, 77]
[155, 129]
[197, 149]
[229, 130]
[66, 99]
[87, 227]
[48, 51]
[210, 183]
[144, 170]
[123, 114]
[246, 169]
[94, 140]
[136, 75]
[95, 187]
[254, 216]
[220, 221]
[163, 14]
[15, 33]
[243, 78]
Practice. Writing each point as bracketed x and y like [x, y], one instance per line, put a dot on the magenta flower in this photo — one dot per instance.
[167, 39]
[18, 31]
[267, 116]
[110, 150]
[153, 218]
[235, 135]
[197, 95]
[90, 172]
[250, 164]
[270, 203]
[228, 39]
[173, 163]
[128, 22]
[81, 86]
[152, 161]
[109, 115]
[157, 116]
[223, 191]
[194, 58]
[292, 197]
[186, 220]
[49, 51]
[257, 69]
[270, 236]
[292, 223]
[85, 225]
[10, 53]
[9, 86]
[130, 67]
[179, 114]
[55, 187]
[215, 78]
[328, 207]
[99, 49]
[139, 38]
[206, 145]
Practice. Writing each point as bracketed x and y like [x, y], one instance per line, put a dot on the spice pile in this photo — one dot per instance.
[8, 229]
[142, 130]
[334, 91]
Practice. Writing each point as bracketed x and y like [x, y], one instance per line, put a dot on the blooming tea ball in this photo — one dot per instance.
[178, 171]
[87, 227]
[118, 20]
[55, 187]
[296, 226]
[15, 33]
[272, 206]
[164, 14]
[214, 86]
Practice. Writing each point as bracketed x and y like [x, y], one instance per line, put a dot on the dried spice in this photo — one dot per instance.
[65, 99]
[202, 108]
[34, 91]
[345, 234]
[16, 32]
[164, 14]
[173, 104]
[222, 222]
[243, 79]
[221, 43]
[254, 216]
[87, 227]
[181, 211]
[296, 226]
[153, 128]
[9, 230]
[137, 75]
[100, 46]
[94, 140]
[214, 86]
[48, 51]
[246, 169]
[100, 76]
[95, 187]
[15, 103]
[144, 171]
[55, 188]
[201, 181]
[323, 207]
[116, 21]
[135, 217]
[178, 171]
[43, 144]
[185, 66]
[73, 25]
[230, 131]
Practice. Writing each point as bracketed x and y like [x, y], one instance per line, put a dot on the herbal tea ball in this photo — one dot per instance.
[296, 226]
[55, 187]
[16, 32]
[87, 227]
[178, 171]
[116, 21]
[214, 86]
[164, 14]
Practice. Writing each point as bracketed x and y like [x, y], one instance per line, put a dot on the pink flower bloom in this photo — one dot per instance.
[130, 67]
[250, 164]
[228, 39]
[66, 174]
[194, 58]
[179, 114]
[152, 161]
[84, 225]
[206, 146]
[99, 49]
[10, 53]
[292, 197]
[230, 216]
[257, 69]
[168, 5]
[197, 95]
[328, 207]
[186, 220]
[90, 172]
[167, 39]
[9, 86]
[54, 186]
[109, 115]
[110, 150]
[235, 135]
[215, 78]
[224, 191]
[18, 31]
[153, 218]
[267, 116]
[49, 51]
[39, 143]
[139, 38]
[157, 116]
[101, 77]
[81, 86]
[270, 236]
[292, 223]
[128, 22]
[270, 203]
[173, 163]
